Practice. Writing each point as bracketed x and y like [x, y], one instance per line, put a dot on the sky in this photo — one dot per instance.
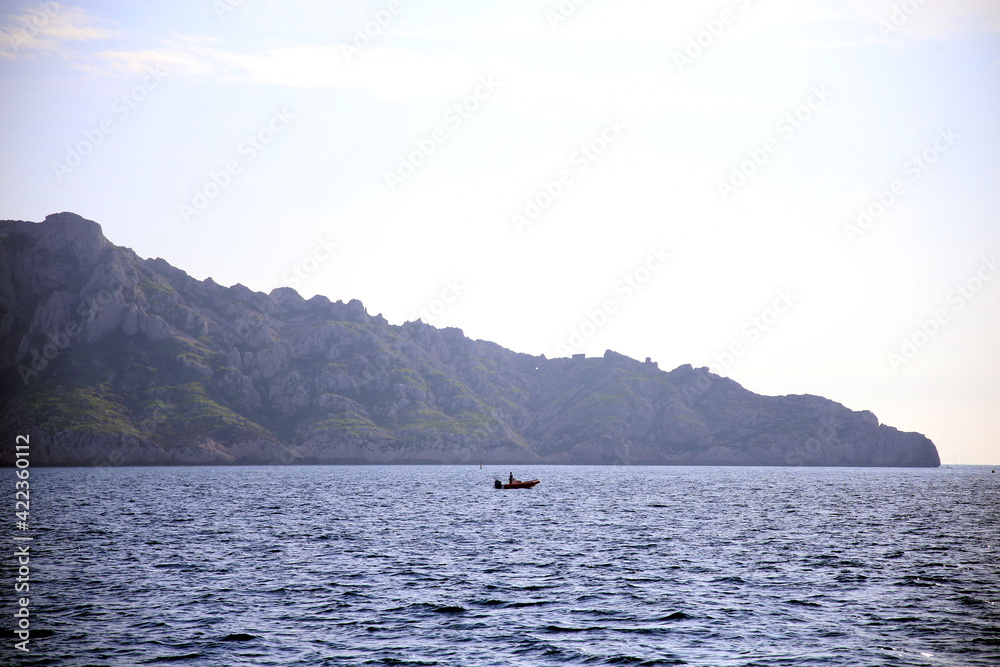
[802, 196]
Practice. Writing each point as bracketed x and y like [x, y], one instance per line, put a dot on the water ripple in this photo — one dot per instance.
[428, 565]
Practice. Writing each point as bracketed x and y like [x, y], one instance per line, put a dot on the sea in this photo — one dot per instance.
[431, 565]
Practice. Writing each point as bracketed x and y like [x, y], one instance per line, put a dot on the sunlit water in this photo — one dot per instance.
[430, 565]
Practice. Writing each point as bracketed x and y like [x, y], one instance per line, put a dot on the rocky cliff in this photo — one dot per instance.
[107, 358]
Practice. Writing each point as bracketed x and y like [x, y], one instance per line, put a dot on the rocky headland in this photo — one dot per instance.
[108, 358]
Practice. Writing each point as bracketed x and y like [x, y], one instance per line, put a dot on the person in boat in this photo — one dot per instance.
[511, 479]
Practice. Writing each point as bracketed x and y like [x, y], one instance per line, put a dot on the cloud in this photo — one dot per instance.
[186, 58]
[953, 20]
[48, 29]
[388, 73]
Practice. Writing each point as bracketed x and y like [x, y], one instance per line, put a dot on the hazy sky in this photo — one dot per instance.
[802, 196]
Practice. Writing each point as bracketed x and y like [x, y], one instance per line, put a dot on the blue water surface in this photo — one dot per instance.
[430, 565]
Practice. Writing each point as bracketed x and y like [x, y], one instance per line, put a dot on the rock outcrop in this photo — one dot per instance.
[107, 358]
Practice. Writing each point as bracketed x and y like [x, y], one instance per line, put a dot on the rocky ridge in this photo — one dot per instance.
[108, 358]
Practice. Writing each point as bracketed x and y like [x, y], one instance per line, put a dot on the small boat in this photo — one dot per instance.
[517, 484]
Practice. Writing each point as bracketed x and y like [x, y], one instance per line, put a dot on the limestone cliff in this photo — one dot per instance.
[107, 358]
